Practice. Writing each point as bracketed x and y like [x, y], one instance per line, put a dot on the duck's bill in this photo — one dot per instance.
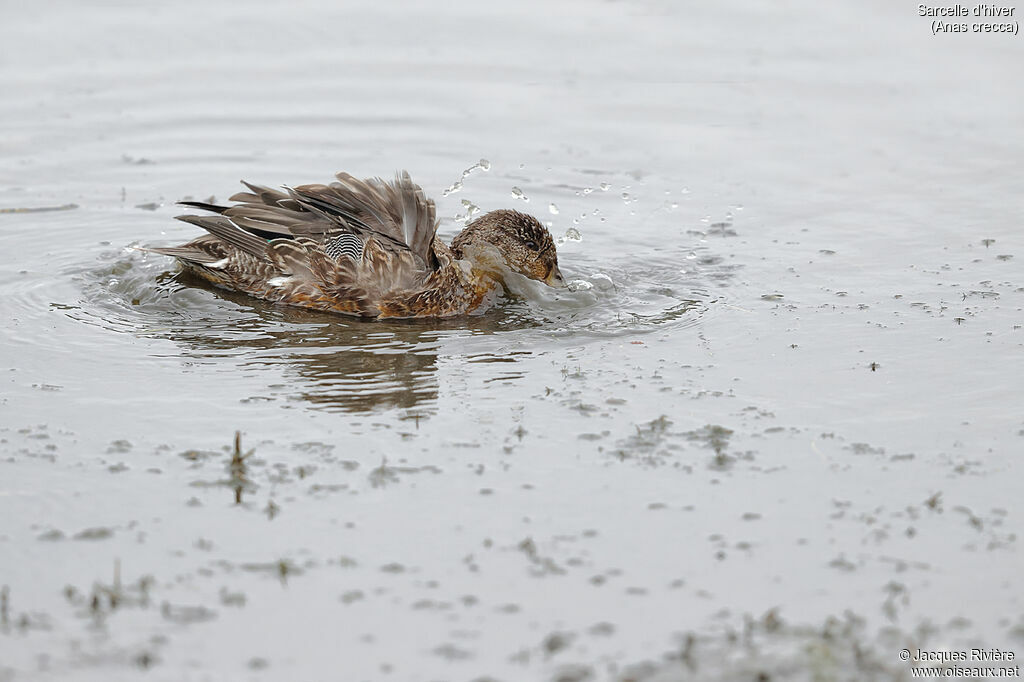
[554, 278]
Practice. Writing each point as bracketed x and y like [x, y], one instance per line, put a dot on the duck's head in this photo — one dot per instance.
[517, 239]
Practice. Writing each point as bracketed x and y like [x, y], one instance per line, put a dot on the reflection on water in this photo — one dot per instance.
[342, 366]
[346, 364]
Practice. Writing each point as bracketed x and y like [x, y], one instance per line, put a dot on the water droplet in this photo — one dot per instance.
[605, 187]
[518, 194]
[482, 164]
[573, 235]
[625, 197]
[684, 191]
[553, 209]
[588, 190]
[453, 189]
[691, 256]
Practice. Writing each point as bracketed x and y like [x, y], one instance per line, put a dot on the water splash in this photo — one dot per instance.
[602, 281]
[571, 235]
[471, 210]
[518, 194]
[482, 164]
[553, 209]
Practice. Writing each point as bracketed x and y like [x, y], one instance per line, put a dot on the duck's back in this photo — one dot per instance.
[361, 247]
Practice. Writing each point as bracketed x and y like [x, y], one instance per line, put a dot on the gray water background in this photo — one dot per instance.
[776, 427]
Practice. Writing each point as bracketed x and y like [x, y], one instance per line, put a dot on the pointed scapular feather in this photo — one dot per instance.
[226, 230]
[186, 253]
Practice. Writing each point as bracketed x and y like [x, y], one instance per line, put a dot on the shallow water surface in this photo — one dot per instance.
[772, 430]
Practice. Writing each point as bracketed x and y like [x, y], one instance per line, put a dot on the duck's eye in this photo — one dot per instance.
[532, 245]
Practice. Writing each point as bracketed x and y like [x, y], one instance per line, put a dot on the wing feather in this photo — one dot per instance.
[396, 215]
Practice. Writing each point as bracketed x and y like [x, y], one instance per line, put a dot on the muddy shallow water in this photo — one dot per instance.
[774, 429]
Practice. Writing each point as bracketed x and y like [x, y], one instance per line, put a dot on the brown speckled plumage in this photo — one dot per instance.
[361, 247]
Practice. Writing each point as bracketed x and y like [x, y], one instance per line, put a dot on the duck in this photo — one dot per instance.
[363, 248]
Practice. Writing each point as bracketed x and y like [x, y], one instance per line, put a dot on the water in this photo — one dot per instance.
[774, 428]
